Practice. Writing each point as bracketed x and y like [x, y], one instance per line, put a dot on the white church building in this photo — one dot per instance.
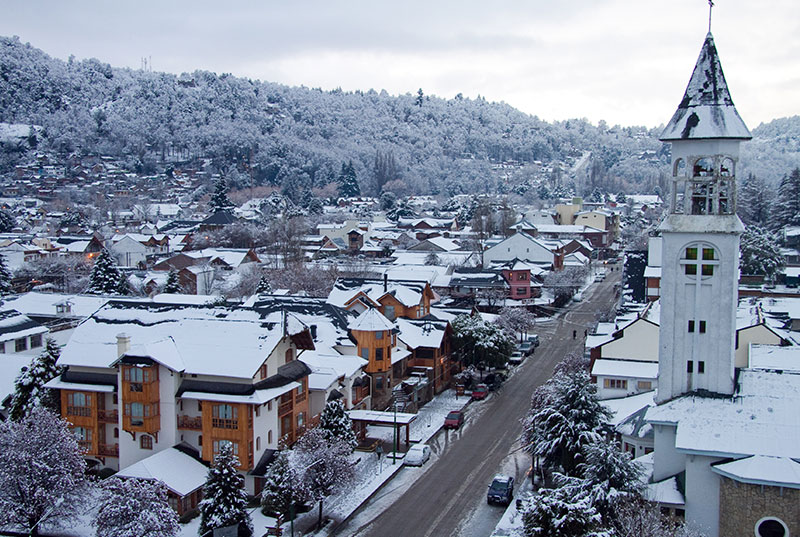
[727, 438]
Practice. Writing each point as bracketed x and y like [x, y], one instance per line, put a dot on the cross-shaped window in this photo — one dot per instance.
[699, 259]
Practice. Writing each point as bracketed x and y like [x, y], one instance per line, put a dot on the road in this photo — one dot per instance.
[448, 497]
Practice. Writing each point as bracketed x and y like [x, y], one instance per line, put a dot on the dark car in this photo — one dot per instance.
[480, 392]
[454, 420]
[501, 490]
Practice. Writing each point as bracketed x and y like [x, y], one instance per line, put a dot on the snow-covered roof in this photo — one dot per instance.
[10, 368]
[399, 353]
[421, 333]
[625, 368]
[408, 293]
[371, 320]
[762, 419]
[14, 325]
[761, 470]
[190, 339]
[44, 304]
[626, 406]
[326, 369]
[258, 397]
[706, 110]
[59, 384]
[387, 418]
[652, 272]
[180, 473]
[774, 358]
[665, 492]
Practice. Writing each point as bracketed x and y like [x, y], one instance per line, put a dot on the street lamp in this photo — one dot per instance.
[394, 455]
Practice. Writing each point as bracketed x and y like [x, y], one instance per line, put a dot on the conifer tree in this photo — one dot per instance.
[755, 203]
[335, 423]
[5, 276]
[123, 285]
[264, 287]
[282, 486]
[348, 182]
[172, 286]
[219, 200]
[29, 390]
[224, 498]
[7, 221]
[788, 206]
[104, 279]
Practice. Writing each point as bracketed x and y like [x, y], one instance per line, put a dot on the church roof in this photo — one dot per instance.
[706, 110]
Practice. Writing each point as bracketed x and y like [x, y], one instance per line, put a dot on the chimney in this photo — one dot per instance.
[385, 282]
[123, 344]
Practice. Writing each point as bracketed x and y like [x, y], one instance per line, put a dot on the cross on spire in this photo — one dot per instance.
[710, 7]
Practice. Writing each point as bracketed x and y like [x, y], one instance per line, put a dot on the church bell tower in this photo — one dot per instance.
[700, 237]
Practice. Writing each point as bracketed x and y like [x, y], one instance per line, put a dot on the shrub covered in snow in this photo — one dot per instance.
[41, 471]
[336, 424]
[135, 508]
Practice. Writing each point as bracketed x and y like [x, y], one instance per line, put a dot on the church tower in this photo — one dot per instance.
[700, 237]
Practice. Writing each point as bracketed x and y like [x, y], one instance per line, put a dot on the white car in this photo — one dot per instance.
[578, 297]
[417, 455]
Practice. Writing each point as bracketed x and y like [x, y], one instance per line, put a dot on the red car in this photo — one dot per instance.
[480, 392]
[454, 420]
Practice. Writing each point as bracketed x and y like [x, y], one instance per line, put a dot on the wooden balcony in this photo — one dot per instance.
[223, 423]
[108, 416]
[86, 446]
[285, 408]
[83, 411]
[300, 397]
[108, 450]
[359, 394]
[188, 422]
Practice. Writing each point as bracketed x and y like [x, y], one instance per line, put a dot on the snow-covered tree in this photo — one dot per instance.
[224, 498]
[387, 200]
[219, 199]
[432, 259]
[401, 209]
[565, 282]
[172, 286]
[264, 286]
[556, 513]
[123, 285]
[7, 221]
[104, 278]
[755, 202]
[759, 252]
[135, 508]
[516, 320]
[348, 181]
[788, 202]
[29, 390]
[336, 424]
[41, 471]
[640, 518]
[282, 486]
[475, 341]
[5, 276]
[565, 416]
[324, 464]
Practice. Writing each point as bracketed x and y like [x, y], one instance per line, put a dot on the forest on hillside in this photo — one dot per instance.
[261, 133]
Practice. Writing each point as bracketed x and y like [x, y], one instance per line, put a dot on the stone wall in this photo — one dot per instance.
[742, 505]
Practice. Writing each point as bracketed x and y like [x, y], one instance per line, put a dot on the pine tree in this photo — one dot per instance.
[123, 285]
[224, 498]
[556, 513]
[7, 221]
[29, 390]
[219, 200]
[282, 486]
[788, 206]
[135, 508]
[759, 252]
[5, 277]
[348, 182]
[755, 203]
[335, 423]
[420, 98]
[172, 286]
[104, 279]
[264, 287]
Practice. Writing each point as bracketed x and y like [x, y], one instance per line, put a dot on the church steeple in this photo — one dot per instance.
[706, 110]
[700, 237]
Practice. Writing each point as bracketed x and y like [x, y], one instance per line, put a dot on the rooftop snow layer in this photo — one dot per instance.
[706, 110]
[371, 320]
[761, 470]
[181, 473]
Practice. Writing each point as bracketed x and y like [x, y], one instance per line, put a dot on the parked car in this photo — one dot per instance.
[599, 277]
[417, 455]
[480, 392]
[454, 420]
[578, 297]
[534, 339]
[501, 490]
[515, 358]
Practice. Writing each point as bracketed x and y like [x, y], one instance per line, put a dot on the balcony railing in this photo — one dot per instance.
[83, 411]
[108, 416]
[108, 450]
[285, 408]
[86, 445]
[300, 397]
[222, 423]
[188, 422]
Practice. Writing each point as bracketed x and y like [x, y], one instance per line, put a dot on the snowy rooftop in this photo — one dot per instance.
[408, 293]
[625, 369]
[421, 333]
[775, 358]
[190, 339]
[626, 406]
[761, 470]
[761, 420]
[371, 320]
[328, 368]
[386, 418]
[706, 110]
[181, 473]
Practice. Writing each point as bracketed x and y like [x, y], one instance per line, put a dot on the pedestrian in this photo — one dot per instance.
[574, 334]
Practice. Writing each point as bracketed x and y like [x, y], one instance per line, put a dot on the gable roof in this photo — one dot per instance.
[706, 110]
[181, 473]
[371, 320]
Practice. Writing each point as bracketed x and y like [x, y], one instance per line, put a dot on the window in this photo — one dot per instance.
[702, 327]
[691, 260]
[378, 383]
[708, 254]
[771, 527]
[258, 443]
[263, 372]
[116, 432]
[137, 413]
[690, 366]
[269, 436]
[615, 384]
[691, 325]
[522, 276]
[21, 344]
[219, 443]
[388, 312]
[84, 435]
[146, 441]
[520, 290]
[200, 440]
[644, 385]
[289, 355]
[701, 366]
[707, 270]
[691, 270]
[302, 388]
[225, 416]
[258, 410]
[379, 334]
[365, 354]
[691, 253]
[135, 376]
[301, 419]
[36, 341]
[379, 354]
[3, 347]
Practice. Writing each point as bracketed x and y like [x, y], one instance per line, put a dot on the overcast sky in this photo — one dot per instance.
[624, 61]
